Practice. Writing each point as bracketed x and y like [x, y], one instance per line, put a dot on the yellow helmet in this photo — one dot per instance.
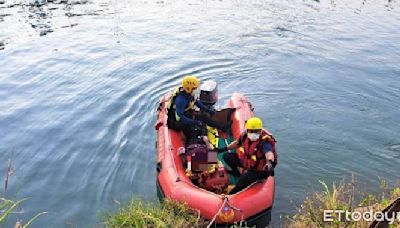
[190, 83]
[254, 123]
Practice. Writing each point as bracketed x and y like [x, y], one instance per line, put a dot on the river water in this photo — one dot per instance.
[80, 80]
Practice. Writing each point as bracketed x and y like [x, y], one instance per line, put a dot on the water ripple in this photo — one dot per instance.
[78, 103]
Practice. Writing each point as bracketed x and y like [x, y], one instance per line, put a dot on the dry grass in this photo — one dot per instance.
[9, 173]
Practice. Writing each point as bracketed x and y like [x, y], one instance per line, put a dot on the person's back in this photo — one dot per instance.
[181, 109]
[181, 106]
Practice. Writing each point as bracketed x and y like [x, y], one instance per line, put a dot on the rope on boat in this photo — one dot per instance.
[219, 211]
[235, 208]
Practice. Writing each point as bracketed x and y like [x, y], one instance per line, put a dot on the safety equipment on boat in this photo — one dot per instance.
[172, 107]
[254, 123]
[190, 83]
[216, 181]
[251, 153]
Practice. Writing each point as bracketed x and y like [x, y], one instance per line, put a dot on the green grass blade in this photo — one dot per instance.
[9, 210]
[33, 219]
[5, 203]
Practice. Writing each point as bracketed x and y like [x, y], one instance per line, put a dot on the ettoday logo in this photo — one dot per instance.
[355, 216]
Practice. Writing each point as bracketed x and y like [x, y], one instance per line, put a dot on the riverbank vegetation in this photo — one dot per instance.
[168, 214]
[343, 196]
[8, 207]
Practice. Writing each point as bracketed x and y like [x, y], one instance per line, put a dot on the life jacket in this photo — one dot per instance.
[251, 152]
[212, 134]
[171, 107]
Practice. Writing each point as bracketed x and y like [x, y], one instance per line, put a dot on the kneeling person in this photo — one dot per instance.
[256, 158]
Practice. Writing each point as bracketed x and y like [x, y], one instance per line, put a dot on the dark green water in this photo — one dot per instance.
[79, 84]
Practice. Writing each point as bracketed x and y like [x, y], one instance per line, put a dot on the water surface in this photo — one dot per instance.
[80, 80]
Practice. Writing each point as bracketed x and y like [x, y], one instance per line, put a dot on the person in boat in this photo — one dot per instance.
[181, 108]
[256, 158]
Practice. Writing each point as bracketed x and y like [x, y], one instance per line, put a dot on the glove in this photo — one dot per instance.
[269, 167]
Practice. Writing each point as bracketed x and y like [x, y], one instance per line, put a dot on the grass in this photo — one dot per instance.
[167, 214]
[173, 214]
[341, 197]
[309, 214]
[7, 206]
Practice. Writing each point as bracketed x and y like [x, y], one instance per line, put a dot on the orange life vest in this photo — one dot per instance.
[251, 152]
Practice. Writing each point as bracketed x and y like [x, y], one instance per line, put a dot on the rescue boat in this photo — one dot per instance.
[252, 205]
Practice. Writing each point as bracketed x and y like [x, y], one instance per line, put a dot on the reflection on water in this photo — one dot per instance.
[39, 18]
[46, 16]
[43, 17]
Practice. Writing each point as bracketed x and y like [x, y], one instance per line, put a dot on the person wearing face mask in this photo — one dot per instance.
[181, 107]
[256, 158]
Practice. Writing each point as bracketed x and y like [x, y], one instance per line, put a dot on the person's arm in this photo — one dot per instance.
[231, 146]
[204, 107]
[267, 149]
[269, 155]
[180, 104]
[234, 145]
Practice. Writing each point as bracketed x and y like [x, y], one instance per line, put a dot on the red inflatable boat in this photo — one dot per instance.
[252, 205]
